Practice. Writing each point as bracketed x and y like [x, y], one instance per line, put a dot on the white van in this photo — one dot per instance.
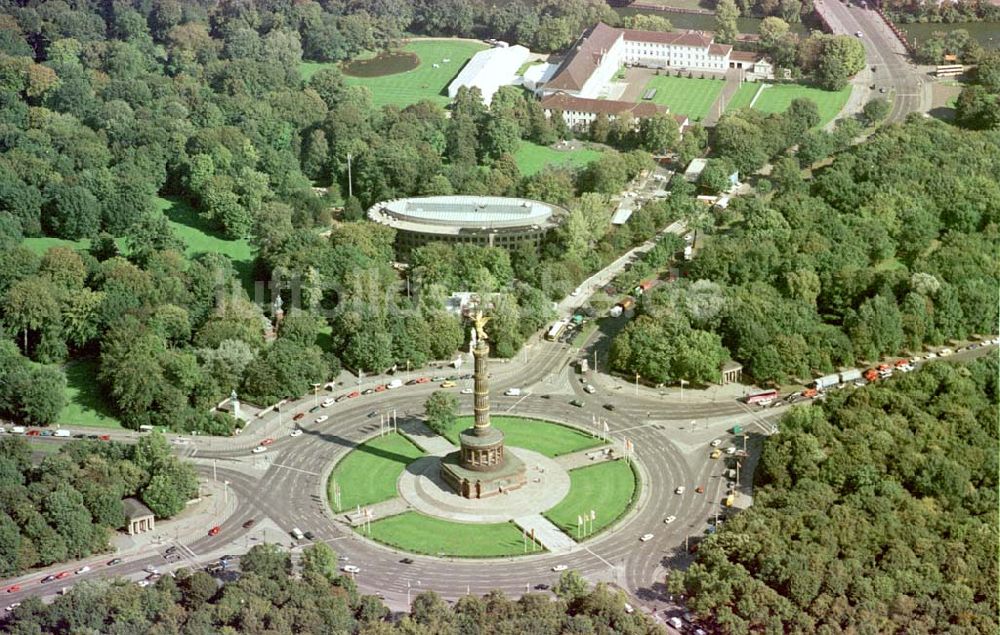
[395, 383]
[18, 430]
[145, 428]
[63, 433]
[297, 533]
[512, 392]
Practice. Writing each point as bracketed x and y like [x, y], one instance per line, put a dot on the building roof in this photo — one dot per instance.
[744, 56]
[490, 69]
[562, 101]
[720, 49]
[454, 214]
[134, 509]
[585, 57]
[676, 38]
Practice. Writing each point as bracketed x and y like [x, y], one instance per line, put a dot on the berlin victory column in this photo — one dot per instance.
[482, 468]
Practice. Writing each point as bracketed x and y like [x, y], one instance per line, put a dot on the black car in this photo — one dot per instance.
[248, 524]
[171, 550]
[609, 406]
[112, 563]
[407, 560]
[48, 578]
[577, 403]
[541, 587]
[368, 391]
[309, 535]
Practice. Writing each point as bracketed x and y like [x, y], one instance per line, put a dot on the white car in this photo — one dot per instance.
[322, 418]
[645, 537]
[466, 391]
[12, 606]
[259, 449]
[143, 583]
[945, 352]
[858, 33]
[679, 490]
[295, 433]
[350, 568]
[328, 402]
[590, 389]
[559, 567]
[81, 570]
[675, 622]
[731, 450]
[151, 569]
[931, 355]
[716, 443]
[669, 519]
[575, 293]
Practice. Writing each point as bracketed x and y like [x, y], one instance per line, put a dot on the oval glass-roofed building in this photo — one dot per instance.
[489, 221]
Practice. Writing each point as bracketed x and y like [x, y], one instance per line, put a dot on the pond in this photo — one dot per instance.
[387, 63]
[703, 22]
[988, 33]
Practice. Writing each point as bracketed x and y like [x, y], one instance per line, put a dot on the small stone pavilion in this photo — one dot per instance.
[482, 468]
[138, 518]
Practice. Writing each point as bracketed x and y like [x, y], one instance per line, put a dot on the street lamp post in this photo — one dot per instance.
[682, 388]
[637, 384]
[316, 394]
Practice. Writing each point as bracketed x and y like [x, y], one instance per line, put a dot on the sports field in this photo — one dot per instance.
[423, 82]
[692, 97]
[85, 406]
[777, 98]
[550, 439]
[368, 474]
[532, 158]
[415, 532]
[606, 488]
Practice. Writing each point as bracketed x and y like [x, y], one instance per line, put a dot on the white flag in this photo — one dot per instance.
[593, 514]
[605, 426]
[579, 520]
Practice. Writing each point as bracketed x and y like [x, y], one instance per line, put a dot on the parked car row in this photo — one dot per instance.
[61, 433]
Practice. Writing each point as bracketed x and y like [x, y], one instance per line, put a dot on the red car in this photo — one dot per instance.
[214, 531]
[34, 433]
[267, 441]
[380, 388]
[354, 394]
[700, 489]
[14, 588]
[105, 437]
[423, 380]
[299, 416]
[63, 575]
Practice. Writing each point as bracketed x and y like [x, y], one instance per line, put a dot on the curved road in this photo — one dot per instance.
[905, 83]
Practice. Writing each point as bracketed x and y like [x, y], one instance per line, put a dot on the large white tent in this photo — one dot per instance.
[490, 69]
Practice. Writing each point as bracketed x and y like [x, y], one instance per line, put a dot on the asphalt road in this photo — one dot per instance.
[904, 82]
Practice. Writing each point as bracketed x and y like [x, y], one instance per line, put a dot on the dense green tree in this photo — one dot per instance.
[440, 411]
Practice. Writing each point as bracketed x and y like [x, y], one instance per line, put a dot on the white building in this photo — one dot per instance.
[490, 69]
[598, 55]
[580, 112]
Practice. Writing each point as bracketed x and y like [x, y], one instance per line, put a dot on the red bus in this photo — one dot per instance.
[763, 397]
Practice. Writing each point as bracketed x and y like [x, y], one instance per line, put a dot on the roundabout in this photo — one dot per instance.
[569, 475]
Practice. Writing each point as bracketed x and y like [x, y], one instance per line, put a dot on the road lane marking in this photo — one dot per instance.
[296, 469]
[516, 403]
[611, 566]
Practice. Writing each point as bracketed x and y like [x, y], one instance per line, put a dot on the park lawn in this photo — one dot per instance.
[532, 158]
[200, 237]
[588, 329]
[777, 98]
[418, 533]
[692, 97]
[42, 244]
[550, 439]
[743, 97]
[422, 82]
[607, 488]
[368, 474]
[85, 405]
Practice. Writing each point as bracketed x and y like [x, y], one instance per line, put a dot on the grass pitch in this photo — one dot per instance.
[778, 97]
[368, 474]
[417, 533]
[423, 82]
[549, 439]
[692, 97]
[532, 158]
[608, 489]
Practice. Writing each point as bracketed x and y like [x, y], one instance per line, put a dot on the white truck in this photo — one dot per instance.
[395, 383]
[849, 376]
[827, 381]
[63, 433]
